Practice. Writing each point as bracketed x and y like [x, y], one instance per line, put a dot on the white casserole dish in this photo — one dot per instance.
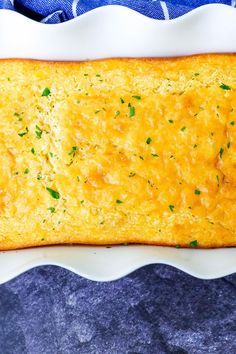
[116, 31]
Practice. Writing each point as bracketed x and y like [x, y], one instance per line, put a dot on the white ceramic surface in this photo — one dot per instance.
[115, 31]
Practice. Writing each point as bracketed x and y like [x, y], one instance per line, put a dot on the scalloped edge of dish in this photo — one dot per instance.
[117, 31]
[122, 33]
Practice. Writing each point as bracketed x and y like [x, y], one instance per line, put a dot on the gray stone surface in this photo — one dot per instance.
[157, 309]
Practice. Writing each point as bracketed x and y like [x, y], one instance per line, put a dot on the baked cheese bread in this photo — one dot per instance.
[118, 151]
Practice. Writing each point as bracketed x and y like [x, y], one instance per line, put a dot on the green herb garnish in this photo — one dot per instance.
[33, 151]
[23, 133]
[118, 201]
[148, 141]
[52, 209]
[171, 207]
[38, 132]
[137, 97]
[117, 113]
[26, 171]
[46, 92]
[225, 87]
[221, 152]
[155, 155]
[73, 151]
[197, 192]
[193, 243]
[131, 111]
[121, 100]
[183, 129]
[132, 174]
[232, 123]
[170, 121]
[54, 194]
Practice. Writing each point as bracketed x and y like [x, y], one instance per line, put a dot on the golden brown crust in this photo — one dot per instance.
[118, 151]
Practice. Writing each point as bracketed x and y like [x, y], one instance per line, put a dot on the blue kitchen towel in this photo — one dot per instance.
[56, 11]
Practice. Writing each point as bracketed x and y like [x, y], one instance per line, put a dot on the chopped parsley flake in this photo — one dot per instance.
[183, 129]
[195, 145]
[171, 207]
[170, 121]
[52, 209]
[26, 171]
[117, 113]
[232, 123]
[137, 97]
[221, 152]
[228, 145]
[193, 243]
[121, 100]
[141, 158]
[73, 151]
[54, 194]
[38, 132]
[177, 246]
[155, 155]
[148, 141]
[118, 201]
[39, 177]
[131, 111]
[225, 87]
[132, 174]
[33, 151]
[46, 92]
[196, 74]
[197, 192]
[82, 201]
[23, 133]
[51, 154]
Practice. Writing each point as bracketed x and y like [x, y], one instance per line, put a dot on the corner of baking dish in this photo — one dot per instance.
[116, 31]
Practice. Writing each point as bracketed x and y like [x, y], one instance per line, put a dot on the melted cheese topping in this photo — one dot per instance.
[118, 151]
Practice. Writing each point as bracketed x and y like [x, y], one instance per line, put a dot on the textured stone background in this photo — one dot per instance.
[157, 309]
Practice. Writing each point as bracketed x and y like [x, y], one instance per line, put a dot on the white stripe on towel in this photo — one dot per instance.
[74, 7]
[165, 10]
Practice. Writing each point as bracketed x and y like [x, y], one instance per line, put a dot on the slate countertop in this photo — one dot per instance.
[156, 309]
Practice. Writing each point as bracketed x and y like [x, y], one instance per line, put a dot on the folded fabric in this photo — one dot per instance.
[59, 10]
